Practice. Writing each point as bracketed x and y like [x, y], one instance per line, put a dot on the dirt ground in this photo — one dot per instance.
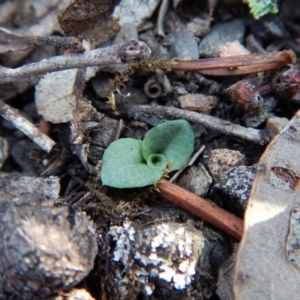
[76, 77]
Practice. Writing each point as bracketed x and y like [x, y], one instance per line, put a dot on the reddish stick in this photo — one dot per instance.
[200, 207]
[237, 65]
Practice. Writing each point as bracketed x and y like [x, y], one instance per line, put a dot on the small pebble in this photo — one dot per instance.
[183, 45]
[233, 189]
[221, 33]
[196, 179]
[268, 27]
[133, 11]
[275, 125]
[127, 32]
[198, 102]
[199, 27]
[222, 160]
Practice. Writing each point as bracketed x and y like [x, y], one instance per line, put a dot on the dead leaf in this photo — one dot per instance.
[88, 18]
[268, 258]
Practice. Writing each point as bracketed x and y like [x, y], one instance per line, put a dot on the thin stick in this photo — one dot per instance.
[12, 115]
[142, 112]
[200, 207]
[127, 52]
[238, 65]
[190, 163]
[161, 16]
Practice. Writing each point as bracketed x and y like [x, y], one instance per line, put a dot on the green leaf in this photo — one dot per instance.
[173, 139]
[123, 165]
[259, 8]
[157, 161]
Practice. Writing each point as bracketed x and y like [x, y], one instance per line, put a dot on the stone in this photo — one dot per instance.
[198, 27]
[221, 33]
[167, 258]
[198, 102]
[127, 32]
[233, 189]
[133, 11]
[222, 160]
[275, 125]
[183, 45]
[196, 179]
[232, 49]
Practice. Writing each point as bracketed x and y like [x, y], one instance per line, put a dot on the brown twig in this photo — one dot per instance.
[202, 208]
[238, 65]
[131, 51]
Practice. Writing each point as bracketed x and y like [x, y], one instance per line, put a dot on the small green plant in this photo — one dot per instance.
[130, 163]
[259, 8]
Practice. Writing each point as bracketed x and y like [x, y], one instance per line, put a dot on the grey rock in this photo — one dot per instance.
[127, 32]
[171, 259]
[275, 125]
[101, 84]
[178, 88]
[255, 119]
[157, 50]
[183, 45]
[268, 27]
[196, 179]
[199, 27]
[43, 252]
[222, 160]
[221, 33]
[233, 189]
[17, 188]
[133, 11]
[23, 154]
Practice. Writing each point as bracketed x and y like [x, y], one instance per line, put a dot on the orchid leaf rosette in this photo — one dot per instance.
[130, 163]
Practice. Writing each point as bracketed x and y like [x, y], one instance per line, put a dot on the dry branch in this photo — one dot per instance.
[12, 115]
[128, 52]
[226, 127]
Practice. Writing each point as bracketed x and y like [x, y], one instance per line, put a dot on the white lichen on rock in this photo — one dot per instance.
[167, 252]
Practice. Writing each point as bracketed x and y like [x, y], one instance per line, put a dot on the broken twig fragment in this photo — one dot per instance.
[226, 127]
[238, 65]
[202, 208]
[128, 52]
[12, 115]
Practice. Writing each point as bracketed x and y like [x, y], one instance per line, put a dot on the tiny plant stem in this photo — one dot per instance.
[202, 208]
[237, 65]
